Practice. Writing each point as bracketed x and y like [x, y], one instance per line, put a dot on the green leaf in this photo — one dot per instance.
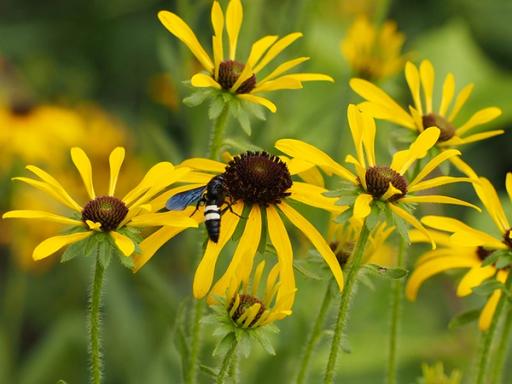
[216, 107]
[464, 318]
[224, 345]
[344, 217]
[105, 249]
[245, 121]
[389, 273]
[209, 371]
[333, 193]
[245, 343]
[401, 226]
[197, 98]
[85, 247]
[299, 266]
[504, 260]
[488, 287]
[62, 382]
[346, 200]
[493, 257]
[263, 340]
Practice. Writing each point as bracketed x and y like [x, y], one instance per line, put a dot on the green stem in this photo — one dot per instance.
[489, 337]
[195, 344]
[217, 133]
[226, 363]
[397, 296]
[316, 331]
[501, 354]
[95, 324]
[235, 368]
[346, 298]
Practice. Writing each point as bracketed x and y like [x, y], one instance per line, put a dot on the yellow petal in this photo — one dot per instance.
[115, 160]
[310, 77]
[286, 66]
[244, 75]
[83, 165]
[53, 244]
[438, 181]
[473, 278]
[93, 225]
[413, 80]
[427, 81]
[276, 49]
[202, 80]
[234, 16]
[316, 239]
[56, 186]
[461, 99]
[487, 194]
[277, 84]
[442, 238]
[171, 218]
[243, 257]
[217, 18]
[281, 242]
[259, 48]
[362, 205]
[382, 106]
[438, 199]
[174, 24]
[508, 185]
[313, 195]
[203, 277]
[309, 153]
[41, 215]
[481, 117]
[156, 172]
[412, 220]
[477, 137]
[402, 160]
[484, 322]
[433, 164]
[431, 268]
[463, 167]
[311, 175]
[45, 187]
[448, 92]
[205, 165]
[124, 243]
[258, 100]
[390, 192]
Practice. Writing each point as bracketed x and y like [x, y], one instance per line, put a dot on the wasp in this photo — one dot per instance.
[212, 195]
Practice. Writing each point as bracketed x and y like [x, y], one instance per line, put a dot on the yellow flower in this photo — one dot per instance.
[249, 303]
[423, 114]
[225, 72]
[377, 183]
[467, 247]
[105, 213]
[262, 183]
[373, 53]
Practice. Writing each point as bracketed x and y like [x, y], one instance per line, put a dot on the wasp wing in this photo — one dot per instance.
[183, 199]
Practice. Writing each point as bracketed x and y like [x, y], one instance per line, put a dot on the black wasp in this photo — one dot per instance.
[212, 195]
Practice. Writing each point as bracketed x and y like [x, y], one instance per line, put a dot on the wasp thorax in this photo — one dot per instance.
[257, 178]
[246, 302]
[342, 251]
[447, 129]
[106, 210]
[378, 179]
[229, 72]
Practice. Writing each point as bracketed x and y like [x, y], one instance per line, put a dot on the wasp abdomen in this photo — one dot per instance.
[212, 222]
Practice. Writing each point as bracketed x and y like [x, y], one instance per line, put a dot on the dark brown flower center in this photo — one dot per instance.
[434, 120]
[342, 252]
[506, 238]
[229, 72]
[483, 253]
[246, 302]
[378, 179]
[21, 108]
[106, 210]
[257, 178]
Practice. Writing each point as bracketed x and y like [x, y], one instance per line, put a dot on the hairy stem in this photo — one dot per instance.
[95, 324]
[397, 296]
[226, 363]
[314, 335]
[195, 344]
[501, 354]
[346, 298]
[489, 337]
[217, 133]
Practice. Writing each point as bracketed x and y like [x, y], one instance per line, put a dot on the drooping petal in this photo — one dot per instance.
[433, 164]
[282, 68]
[59, 189]
[53, 244]
[411, 220]
[484, 322]
[362, 205]
[448, 92]
[461, 99]
[202, 80]
[316, 239]
[258, 100]
[234, 16]
[174, 24]
[431, 268]
[442, 238]
[83, 165]
[473, 278]
[463, 167]
[402, 160]
[203, 277]
[124, 243]
[480, 117]
[313, 195]
[276, 49]
[413, 80]
[309, 153]
[115, 160]
[439, 199]
[427, 81]
[40, 215]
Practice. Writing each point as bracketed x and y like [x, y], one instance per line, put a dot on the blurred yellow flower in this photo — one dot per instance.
[423, 114]
[225, 72]
[373, 52]
[467, 247]
[263, 183]
[105, 213]
[387, 184]
[434, 374]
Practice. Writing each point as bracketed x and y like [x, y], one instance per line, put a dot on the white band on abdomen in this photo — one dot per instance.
[211, 208]
[212, 216]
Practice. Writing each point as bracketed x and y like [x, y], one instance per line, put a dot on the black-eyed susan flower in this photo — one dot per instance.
[470, 248]
[373, 52]
[104, 218]
[225, 71]
[262, 184]
[424, 114]
[380, 187]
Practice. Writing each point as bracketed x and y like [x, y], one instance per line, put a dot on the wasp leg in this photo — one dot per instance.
[229, 206]
[199, 202]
